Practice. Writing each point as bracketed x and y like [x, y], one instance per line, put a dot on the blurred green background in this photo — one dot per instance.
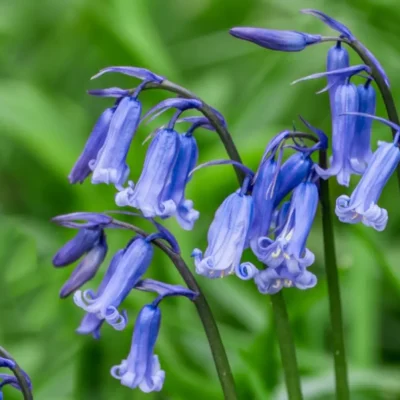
[49, 50]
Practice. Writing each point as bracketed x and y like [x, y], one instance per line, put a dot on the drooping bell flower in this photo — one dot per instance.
[360, 152]
[345, 32]
[263, 195]
[91, 323]
[227, 237]
[148, 194]
[133, 264]
[276, 39]
[337, 58]
[288, 249]
[89, 243]
[179, 178]
[362, 205]
[110, 165]
[343, 132]
[142, 368]
[159, 187]
[95, 142]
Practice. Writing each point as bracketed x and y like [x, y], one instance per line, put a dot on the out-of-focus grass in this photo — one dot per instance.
[49, 51]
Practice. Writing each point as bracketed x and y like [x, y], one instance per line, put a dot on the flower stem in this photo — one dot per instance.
[23, 384]
[286, 346]
[335, 306]
[203, 309]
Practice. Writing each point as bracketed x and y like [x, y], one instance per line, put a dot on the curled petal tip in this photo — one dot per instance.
[135, 72]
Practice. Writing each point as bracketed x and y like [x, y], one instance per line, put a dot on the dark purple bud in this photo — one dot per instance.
[87, 268]
[81, 169]
[83, 242]
[294, 171]
[109, 92]
[336, 25]
[92, 220]
[110, 165]
[276, 39]
[140, 73]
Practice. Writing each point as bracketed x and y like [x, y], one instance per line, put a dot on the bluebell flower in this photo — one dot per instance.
[272, 280]
[133, 264]
[263, 195]
[343, 132]
[87, 268]
[142, 368]
[288, 249]
[362, 205]
[81, 169]
[345, 32]
[276, 39]
[110, 165]
[89, 220]
[360, 152]
[91, 323]
[337, 58]
[293, 171]
[148, 194]
[179, 178]
[227, 237]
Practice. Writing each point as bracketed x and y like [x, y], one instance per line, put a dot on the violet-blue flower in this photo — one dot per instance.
[276, 39]
[288, 249]
[142, 368]
[179, 178]
[133, 264]
[272, 280]
[91, 323]
[227, 237]
[110, 165]
[343, 131]
[95, 142]
[148, 194]
[362, 205]
[360, 151]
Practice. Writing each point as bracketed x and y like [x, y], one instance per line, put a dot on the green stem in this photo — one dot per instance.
[17, 371]
[203, 309]
[335, 306]
[286, 346]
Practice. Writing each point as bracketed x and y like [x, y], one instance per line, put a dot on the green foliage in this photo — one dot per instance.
[49, 51]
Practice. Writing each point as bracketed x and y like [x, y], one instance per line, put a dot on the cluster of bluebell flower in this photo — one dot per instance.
[7, 379]
[271, 213]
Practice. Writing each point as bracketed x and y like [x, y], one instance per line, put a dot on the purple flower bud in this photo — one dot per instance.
[83, 242]
[133, 264]
[81, 169]
[142, 368]
[148, 194]
[362, 205]
[227, 237]
[294, 171]
[110, 165]
[276, 39]
[87, 268]
[360, 152]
